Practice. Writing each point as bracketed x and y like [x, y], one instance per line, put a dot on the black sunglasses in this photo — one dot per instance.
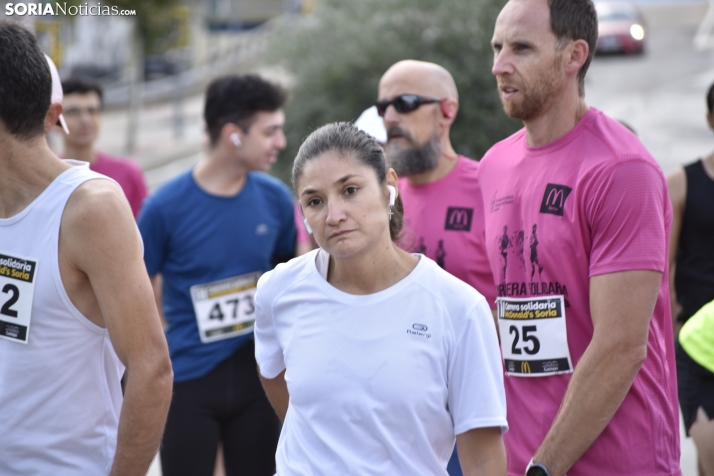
[403, 103]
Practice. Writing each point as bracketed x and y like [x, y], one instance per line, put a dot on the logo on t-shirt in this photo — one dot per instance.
[459, 219]
[419, 330]
[497, 202]
[554, 199]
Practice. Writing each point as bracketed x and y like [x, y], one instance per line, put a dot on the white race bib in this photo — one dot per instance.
[534, 339]
[17, 287]
[225, 308]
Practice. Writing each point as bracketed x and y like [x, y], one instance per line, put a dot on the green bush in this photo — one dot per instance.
[338, 54]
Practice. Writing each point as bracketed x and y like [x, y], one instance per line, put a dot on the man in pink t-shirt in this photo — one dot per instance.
[577, 229]
[443, 216]
[82, 105]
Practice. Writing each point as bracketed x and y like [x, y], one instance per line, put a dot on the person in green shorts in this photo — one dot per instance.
[695, 367]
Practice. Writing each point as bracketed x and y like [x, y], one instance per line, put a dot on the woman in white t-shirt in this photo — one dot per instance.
[376, 359]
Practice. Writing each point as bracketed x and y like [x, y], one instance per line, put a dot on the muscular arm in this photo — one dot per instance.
[101, 254]
[277, 391]
[156, 285]
[481, 452]
[677, 186]
[621, 305]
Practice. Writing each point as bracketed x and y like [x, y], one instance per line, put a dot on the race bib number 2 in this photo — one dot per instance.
[225, 308]
[534, 339]
[17, 288]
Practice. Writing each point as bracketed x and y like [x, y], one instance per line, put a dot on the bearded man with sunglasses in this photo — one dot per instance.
[443, 207]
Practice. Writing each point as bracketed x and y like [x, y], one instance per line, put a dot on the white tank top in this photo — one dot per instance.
[60, 392]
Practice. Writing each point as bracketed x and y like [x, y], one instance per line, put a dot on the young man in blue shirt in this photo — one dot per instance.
[208, 235]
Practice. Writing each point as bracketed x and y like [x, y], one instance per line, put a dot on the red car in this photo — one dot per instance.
[621, 28]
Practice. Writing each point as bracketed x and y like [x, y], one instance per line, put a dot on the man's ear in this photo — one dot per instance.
[710, 120]
[228, 131]
[577, 56]
[52, 116]
[449, 108]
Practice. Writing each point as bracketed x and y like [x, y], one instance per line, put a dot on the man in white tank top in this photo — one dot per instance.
[76, 306]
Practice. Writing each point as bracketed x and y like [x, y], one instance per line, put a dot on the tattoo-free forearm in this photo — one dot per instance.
[143, 416]
[277, 392]
[599, 385]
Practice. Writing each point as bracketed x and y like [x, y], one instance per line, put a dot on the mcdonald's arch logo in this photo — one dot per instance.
[459, 219]
[525, 367]
[554, 199]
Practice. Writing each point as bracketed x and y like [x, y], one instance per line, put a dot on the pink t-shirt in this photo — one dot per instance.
[591, 203]
[444, 221]
[127, 174]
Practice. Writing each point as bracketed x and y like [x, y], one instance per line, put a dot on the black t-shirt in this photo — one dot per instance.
[694, 278]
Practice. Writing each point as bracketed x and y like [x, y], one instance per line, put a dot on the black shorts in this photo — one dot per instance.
[695, 385]
[227, 405]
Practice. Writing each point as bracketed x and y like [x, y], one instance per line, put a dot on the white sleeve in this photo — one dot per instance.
[477, 398]
[268, 353]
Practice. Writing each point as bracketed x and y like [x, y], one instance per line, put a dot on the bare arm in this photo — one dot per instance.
[621, 305]
[677, 186]
[100, 243]
[277, 391]
[481, 452]
[156, 284]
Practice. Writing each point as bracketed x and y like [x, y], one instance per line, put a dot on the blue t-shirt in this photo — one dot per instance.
[192, 237]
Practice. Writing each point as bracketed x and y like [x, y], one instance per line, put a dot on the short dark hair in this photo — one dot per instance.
[349, 141]
[573, 20]
[710, 99]
[236, 99]
[80, 85]
[25, 82]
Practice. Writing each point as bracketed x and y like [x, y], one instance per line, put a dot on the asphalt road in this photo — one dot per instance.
[661, 93]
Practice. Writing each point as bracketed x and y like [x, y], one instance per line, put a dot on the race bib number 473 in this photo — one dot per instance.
[225, 308]
[534, 339]
[17, 287]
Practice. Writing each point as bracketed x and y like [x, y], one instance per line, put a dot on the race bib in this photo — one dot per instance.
[534, 340]
[225, 308]
[17, 287]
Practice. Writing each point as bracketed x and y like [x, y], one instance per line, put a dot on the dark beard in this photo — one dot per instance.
[537, 97]
[415, 159]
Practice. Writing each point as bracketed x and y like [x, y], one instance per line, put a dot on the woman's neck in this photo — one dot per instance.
[372, 271]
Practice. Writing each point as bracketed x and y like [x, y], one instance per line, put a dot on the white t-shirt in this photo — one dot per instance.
[379, 383]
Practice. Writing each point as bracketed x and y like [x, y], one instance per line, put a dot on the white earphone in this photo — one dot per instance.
[307, 226]
[392, 198]
[236, 140]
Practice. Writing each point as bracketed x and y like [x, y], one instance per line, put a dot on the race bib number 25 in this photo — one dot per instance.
[17, 288]
[534, 339]
[225, 308]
